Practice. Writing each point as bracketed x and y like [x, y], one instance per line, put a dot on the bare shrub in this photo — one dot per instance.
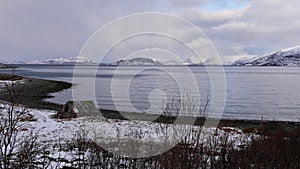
[19, 147]
[279, 150]
[186, 106]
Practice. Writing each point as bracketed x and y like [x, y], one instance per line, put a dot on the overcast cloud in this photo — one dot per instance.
[34, 29]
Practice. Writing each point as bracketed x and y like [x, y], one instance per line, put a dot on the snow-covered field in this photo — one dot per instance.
[4, 83]
[146, 138]
[52, 129]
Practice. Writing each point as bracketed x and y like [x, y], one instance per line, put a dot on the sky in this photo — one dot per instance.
[34, 30]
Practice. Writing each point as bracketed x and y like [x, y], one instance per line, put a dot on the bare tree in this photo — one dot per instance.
[18, 148]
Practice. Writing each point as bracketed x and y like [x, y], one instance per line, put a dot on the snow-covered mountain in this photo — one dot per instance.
[195, 61]
[138, 61]
[124, 62]
[2, 65]
[148, 61]
[14, 62]
[283, 57]
[64, 61]
[172, 62]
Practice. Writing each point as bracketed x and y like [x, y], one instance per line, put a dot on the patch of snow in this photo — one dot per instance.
[4, 83]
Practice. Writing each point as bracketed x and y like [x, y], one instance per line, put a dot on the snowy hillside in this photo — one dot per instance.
[283, 57]
[148, 61]
[138, 61]
[67, 61]
[196, 61]
[2, 65]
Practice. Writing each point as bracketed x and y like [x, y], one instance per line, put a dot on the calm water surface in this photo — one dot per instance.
[251, 92]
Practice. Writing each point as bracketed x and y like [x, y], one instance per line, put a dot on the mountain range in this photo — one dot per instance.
[153, 62]
[129, 62]
[148, 61]
[64, 61]
[283, 57]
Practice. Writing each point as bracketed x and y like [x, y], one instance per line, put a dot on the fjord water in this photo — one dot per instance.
[271, 93]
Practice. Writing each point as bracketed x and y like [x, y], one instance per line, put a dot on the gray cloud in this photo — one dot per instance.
[263, 27]
[188, 2]
[33, 29]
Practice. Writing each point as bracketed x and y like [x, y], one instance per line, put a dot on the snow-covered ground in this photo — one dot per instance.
[4, 83]
[52, 129]
[146, 138]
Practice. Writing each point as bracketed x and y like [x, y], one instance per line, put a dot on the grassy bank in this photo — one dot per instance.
[31, 92]
[248, 126]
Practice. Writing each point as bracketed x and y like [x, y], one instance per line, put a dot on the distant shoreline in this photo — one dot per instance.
[111, 65]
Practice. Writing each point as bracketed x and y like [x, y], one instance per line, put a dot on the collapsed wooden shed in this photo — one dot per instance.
[78, 109]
